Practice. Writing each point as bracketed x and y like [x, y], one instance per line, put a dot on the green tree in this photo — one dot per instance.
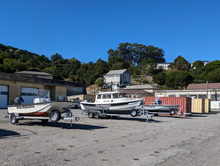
[178, 79]
[135, 53]
[99, 82]
[56, 57]
[181, 64]
[198, 64]
[160, 78]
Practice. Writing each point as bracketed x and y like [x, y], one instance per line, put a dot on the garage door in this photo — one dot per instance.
[28, 94]
[3, 96]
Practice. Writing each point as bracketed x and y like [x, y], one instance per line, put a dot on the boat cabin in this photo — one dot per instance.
[110, 96]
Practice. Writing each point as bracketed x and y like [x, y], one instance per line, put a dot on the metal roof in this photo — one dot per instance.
[140, 87]
[116, 72]
[203, 86]
[33, 73]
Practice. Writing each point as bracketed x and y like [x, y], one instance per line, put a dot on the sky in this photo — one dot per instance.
[87, 29]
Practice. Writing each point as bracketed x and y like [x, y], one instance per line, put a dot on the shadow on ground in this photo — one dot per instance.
[63, 125]
[8, 133]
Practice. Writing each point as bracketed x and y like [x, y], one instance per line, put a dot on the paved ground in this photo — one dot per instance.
[164, 141]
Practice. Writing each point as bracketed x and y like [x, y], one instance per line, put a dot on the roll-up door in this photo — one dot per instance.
[3, 96]
[28, 94]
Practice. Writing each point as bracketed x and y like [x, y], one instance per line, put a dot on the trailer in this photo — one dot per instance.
[15, 117]
[102, 113]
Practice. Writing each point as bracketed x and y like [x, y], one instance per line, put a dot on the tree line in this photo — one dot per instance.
[137, 58]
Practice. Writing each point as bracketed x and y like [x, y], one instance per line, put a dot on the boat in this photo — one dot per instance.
[42, 107]
[158, 107]
[111, 103]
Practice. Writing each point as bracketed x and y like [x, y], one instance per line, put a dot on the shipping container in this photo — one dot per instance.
[183, 102]
[198, 106]
[207, 106]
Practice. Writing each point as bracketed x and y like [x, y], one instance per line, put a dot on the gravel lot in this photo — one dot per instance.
[164, 141]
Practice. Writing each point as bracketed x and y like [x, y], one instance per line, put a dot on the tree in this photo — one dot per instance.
[178, 79]
[56, 57]
[181, 64]
[135, 53]
[160, 78]
[198, 64]
[99, 82]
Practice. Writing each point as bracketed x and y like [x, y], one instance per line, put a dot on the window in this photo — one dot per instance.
[60, 98]
[115, 96]
[202, 97]
[98, 96]
[172, 95]
[108, 97]
[103, 96]
[193, 96]
[183, 95]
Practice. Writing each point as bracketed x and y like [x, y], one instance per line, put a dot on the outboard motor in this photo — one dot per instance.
[19, 101]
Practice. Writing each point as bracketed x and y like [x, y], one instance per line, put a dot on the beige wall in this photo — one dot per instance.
[14, 88]
[60, 91]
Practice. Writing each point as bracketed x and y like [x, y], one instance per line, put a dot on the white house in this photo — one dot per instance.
[118, 77]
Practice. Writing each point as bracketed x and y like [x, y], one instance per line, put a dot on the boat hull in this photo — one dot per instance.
[111, 108]
[160, 108]
[39, 109]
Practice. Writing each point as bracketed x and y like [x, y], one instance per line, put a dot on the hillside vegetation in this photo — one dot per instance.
[140, 60]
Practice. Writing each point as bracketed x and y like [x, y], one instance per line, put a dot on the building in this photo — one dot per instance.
[118, 77]
[138, 91]
[163, 65]
[35, 73]
[205, 62]
[210, 91]
[15, 85]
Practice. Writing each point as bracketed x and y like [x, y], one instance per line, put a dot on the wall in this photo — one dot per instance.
[14, 88]
[60, 91]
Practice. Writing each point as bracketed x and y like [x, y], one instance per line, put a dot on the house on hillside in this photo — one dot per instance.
[118, 77]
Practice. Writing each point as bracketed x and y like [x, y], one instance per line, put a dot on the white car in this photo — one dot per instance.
[77, 105]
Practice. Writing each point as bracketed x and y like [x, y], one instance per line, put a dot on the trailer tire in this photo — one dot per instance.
[13, 119]
[133, 113]
[90, 114]
[96, 115]
[172, 112]
[44, 120]
[114, 117]
[155, 114]
[54, 116]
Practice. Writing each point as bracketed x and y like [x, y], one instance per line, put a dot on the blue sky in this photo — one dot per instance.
[87, 29]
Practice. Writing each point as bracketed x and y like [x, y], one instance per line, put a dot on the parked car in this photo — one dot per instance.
[77, 105]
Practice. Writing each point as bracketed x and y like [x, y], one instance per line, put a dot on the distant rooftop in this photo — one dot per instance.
[140, 87]
[203, 86]
[116, 72]
[39, 73]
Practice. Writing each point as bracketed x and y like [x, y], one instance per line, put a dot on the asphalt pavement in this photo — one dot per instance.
[125, 141]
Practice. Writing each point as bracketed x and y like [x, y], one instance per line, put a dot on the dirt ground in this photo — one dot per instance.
[164, 141]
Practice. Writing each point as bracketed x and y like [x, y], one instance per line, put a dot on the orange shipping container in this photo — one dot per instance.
[184, 102]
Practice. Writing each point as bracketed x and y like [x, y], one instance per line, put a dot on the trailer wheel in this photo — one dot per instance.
[13, 119]
[172, 112]
[44, 120]
[90, 114]
[133, 113]
[96, 115]
[55, 116]
[155, 114]
[114, 117]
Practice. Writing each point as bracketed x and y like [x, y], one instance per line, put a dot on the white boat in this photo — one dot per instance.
[42, 106]
[112, 103]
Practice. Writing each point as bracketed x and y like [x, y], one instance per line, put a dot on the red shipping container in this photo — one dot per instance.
[184, 102]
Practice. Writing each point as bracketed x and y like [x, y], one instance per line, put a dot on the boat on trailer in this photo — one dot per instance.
[111, 103]
[42, 108]
[158, 108]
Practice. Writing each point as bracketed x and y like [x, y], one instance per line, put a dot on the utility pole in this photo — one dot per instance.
[207, 90]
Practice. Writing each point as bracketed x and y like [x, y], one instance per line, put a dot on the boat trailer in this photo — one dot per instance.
[102, 113]
[17, 117]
